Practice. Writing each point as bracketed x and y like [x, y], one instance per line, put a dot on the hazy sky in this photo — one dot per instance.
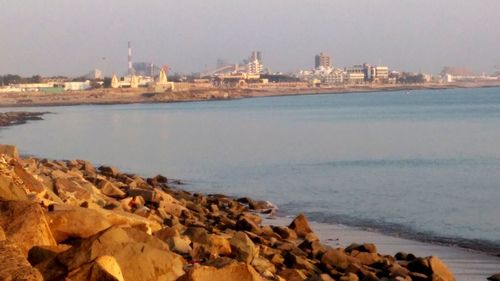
[71, 37]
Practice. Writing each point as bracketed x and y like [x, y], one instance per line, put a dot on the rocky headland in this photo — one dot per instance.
[68, 220]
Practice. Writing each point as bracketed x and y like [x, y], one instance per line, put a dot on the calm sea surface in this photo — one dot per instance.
[425, 165]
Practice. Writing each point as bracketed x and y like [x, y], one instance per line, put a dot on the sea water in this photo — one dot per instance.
[420, 164]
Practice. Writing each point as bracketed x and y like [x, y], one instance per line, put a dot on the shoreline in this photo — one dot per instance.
[143, 96]
[337, 236]
[464, 264]
[458, 259]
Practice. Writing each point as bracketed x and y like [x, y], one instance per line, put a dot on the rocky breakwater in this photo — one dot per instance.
[18, 117]
[67, 220]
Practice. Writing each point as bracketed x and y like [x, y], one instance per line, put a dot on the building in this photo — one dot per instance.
[145, 69]
[379, 74]
[77, 86]
[355, 74]
[322, 60]
[255, 65]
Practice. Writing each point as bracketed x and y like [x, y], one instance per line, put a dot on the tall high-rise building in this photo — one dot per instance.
[322, 60]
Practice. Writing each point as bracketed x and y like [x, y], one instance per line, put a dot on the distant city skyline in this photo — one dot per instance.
[57, 37]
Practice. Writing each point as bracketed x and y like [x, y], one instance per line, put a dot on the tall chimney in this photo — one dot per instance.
[129, 59]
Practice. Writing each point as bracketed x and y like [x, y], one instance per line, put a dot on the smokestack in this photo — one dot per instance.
[129, 59]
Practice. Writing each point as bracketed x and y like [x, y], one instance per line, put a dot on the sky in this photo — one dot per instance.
[72, 37]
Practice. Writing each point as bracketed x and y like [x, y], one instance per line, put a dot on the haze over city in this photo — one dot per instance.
[72, 37]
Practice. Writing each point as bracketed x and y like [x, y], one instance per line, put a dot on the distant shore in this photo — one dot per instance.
[129, 96]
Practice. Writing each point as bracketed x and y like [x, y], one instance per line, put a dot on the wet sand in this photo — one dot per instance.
[466, 265]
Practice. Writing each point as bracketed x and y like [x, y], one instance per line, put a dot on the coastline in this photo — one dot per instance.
[462, 266]
[134, 96]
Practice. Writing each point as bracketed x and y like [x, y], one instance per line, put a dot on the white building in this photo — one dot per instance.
[255, 67]
[77, 86]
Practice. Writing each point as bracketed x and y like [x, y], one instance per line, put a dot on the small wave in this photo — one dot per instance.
[398, 230]
[418, 162]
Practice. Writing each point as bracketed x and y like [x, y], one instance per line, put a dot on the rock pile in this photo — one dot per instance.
[18, 117]
[67, 220]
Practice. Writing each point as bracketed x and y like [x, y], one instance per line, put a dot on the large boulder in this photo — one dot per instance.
[140, 256]
[24, 223]
[68, 189]
[14, 265]
[76, 222]
[243, 247]
[231, 272]
[300, 225]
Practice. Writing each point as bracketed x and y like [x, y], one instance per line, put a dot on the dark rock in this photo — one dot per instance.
[494, 277]
[109, 171]
[246, 224]
[367, 247]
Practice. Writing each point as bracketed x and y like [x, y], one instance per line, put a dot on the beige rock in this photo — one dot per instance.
[11, 190]
[243, 247]
[439, 270]
[69, 221]
[75, 222]
[109, 189]
[167, 232]
[174, 209]
[366, 258]
[2, 234]
[140, 256]
[349, 277]
[336, 258]
[179, 245]
[106, 268]
[29, 181]
[24, 223]
[301, 226]
[292, 275]
[197, 234]
[231, 272]
[9, 150]
[14, 265]
[264, 266]
[67, 189]
[219, 246]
